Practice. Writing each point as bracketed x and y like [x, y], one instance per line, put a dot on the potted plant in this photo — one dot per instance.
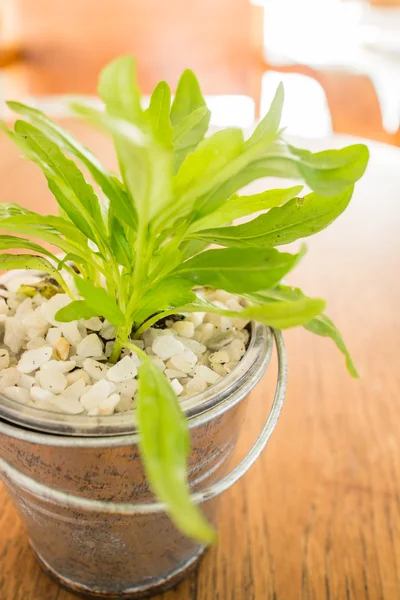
[140, 335]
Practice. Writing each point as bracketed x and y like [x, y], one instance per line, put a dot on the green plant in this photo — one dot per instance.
[140, 239]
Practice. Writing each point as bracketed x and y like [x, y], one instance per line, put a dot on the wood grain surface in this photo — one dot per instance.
[318, 517]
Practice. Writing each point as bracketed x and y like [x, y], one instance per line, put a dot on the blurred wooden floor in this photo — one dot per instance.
[59, 47]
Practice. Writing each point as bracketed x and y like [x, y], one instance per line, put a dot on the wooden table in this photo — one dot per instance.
[318, 517]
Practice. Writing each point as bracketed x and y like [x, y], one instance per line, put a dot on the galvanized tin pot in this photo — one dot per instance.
[79, 486]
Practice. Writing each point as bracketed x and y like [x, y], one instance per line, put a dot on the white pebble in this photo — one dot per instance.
[38, 394]
[14, 335]
[35, 319]
[231, 365]
[98, 392]
[24, 308]
[108, 349]
[220, 369]
[8, 377]
[203, 372]
[240, 324]
[184, 328]
[50, 308]
[197, 318]
[158, 362]
[236, 350]
[71, 333]
[193, 345]
[59, 366]
[107, 331]
[26, 381]
[123, 370]
[127, 388]
[61, 348]
[184, 361]
[34, 359]
[95, 324]
[174, 374]
[219, 357]
[206, 331]
[93, 412]
[166, 346]
[138, 343]
[70, 406]
[75, 390]
[107, 406]
[35, 343]
[77, 375]
[95, 369]
[4, 310]
[51, 380]
[90, 346]
[13, 283]
[125, 403]
[18, 394]
[195, 386]
[53, 335]
[78, 360]
[220, 340]
[4, 359]
[177, 387]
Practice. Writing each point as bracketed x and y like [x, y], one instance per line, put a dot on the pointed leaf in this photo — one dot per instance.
[299, 218]
[166, 293]
[110, 185]
[158, 112]
[238, 271]
[100, 301]
[164, 447]
[267, 130]
[79, 309]
[241, 206]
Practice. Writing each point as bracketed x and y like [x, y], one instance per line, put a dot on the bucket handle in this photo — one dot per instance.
[71, 501]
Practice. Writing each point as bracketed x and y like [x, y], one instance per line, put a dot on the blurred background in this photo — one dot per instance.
[339, 59]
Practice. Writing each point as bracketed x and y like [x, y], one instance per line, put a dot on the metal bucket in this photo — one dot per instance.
[79, 485]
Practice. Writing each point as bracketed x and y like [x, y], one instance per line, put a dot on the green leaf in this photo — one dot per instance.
[158, 112]
[48, 229]
[192, 247]
[282, 315]
[110, 185]
[241, 206]
[238, 271]
[101, 303]
[166, 293]
[298, 218]
[119, 244]
[146, 166]
[11, 241]
[79, 309]
[279, 162]
[31, 262]
[202, 169]
[75, 196]
[279, 314]
[323, 326]
[320, 325]
[331, 171]
[189, 125]
[164, 447]
[119, 90]
[267, 130]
